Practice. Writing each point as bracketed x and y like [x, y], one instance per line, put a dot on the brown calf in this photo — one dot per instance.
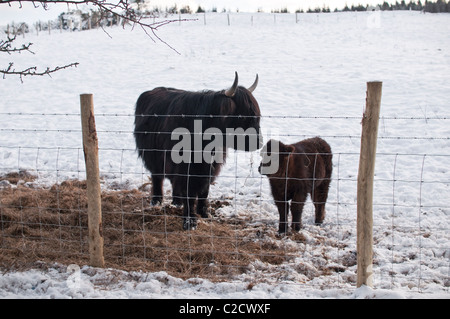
[294, 171]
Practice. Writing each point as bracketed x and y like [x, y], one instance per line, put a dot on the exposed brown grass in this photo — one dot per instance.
[50, 225]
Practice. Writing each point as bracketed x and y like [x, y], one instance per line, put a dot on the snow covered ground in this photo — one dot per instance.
[73, 282]
[313, 78]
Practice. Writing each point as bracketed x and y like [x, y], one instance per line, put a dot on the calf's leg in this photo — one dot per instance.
[283, 209]
[320, 199]
[297, 209]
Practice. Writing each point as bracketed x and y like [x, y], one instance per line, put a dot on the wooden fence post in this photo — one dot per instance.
[90, 148]
[365, 184]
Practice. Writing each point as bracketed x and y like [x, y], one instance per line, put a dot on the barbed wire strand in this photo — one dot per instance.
[339, 203]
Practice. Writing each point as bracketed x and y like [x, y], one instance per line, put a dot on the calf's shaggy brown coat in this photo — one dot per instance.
[303, 168]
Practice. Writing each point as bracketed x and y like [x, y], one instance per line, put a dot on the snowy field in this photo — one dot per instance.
[312, 82]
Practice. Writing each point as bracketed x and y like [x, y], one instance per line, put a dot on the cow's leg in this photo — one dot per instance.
[202, 202]
[189, 218]
[177, 195]
[157, 189]
[188, 197]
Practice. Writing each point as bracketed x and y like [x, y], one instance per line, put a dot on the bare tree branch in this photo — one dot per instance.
[33, 70]
[6, 46]
[119, 8]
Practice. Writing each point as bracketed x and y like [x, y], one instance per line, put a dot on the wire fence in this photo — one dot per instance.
[77, 23]
[43, 205]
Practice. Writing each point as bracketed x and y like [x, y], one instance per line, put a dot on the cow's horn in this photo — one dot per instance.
[254, 85]
[230, 92]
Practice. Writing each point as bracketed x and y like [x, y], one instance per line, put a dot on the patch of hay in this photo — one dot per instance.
[50, 225]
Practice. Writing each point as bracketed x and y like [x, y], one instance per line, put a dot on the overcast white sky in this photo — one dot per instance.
[30, 14]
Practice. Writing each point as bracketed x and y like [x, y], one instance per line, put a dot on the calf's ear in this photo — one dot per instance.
[267, 148]
[286, 149]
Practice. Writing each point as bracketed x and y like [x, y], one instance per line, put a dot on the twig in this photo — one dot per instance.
[32, 71]
[121, 9]
[6, 46]
[104, 6]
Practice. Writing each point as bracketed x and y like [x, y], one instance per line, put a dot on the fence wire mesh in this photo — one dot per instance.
[43, 205]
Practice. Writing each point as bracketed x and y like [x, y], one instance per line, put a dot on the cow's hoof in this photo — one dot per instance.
[189, 223]
[177, 202]
[204, 214]
[156, 201]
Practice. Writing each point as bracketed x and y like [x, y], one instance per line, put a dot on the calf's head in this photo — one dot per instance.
[275, 157]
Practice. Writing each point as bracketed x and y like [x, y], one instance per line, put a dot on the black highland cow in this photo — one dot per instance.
[217, 116]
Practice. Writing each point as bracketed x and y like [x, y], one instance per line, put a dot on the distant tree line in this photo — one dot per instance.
[79, 20]
[428, 6]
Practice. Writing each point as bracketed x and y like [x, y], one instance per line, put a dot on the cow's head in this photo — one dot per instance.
[243, 116]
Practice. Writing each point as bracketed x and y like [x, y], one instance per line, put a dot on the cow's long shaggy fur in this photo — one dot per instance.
[162, 110]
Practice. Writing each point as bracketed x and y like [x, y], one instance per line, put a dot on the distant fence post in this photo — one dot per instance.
[365, 184]
[90, 148]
